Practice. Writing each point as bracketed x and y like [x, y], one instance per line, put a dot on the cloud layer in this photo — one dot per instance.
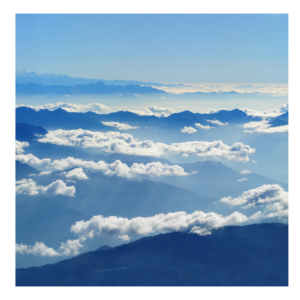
[270, 113]
[117, 167]
[116, 142]
[264, 127]
[154, 111]
[120, 126]
[58, 187]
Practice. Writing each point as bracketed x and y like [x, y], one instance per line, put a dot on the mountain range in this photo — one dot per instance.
[252, 255]
[82, 89]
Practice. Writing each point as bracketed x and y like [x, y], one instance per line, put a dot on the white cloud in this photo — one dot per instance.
[70, 247]
[255, 162]
[217, 122]
[203, 127]
[120, 126]
[20, 146]
[71, 107]
[58, 187]
[271, 89]
[264, 194]
[77, 173]
[116, 142]
[245, 172]
[188, 130]
[41, 173]
[264, 127]
[242, 179]
[271, 113]
[154, 111]
[124, 237]
[185, 155]
[117, 167]
[37, 249]
[32, 160]
[178, 221]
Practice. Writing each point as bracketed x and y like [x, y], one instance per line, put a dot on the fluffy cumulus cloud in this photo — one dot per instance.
[116, 142]
[20, 146]
[217, 122]
[270, 113]
[120, 126]
[154, 111]
[71, 107]
[117, 167]
[77, 173]
[38, 249]
[203, 127]
[69, 248]
[188, 130]
[273, 196]
[58, 187]
[264, 127]
[197, 222]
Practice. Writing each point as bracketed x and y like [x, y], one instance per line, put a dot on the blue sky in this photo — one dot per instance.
[159, 48]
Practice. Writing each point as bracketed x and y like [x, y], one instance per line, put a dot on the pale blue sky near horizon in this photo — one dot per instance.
[184, 48]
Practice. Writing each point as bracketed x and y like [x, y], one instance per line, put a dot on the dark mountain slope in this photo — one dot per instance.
[253, 255]
[27, 132]
[23, 170]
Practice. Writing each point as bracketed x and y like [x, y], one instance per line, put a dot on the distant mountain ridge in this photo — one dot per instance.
[58, 79]
[61, 119]
[82, 89]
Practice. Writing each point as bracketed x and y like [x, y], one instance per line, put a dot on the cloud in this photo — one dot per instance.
[124, 143]
[32, 160]
[71, 107]
[20, 145]
[217, 122]
[185, 155]
[242, 179]
[120, 126]
[203, 127]
[264, 194]
[70, 247]
[77, 173]
[58, 187]
[188, 130]
[245, 172]
[271, 113]
[264, 127]
[41, 173]
[37, 249]
[255, 162]
[178, 221]
[270, 89]
[117, 167]
[154, 111]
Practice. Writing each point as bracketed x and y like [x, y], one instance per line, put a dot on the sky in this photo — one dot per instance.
[170, 48]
